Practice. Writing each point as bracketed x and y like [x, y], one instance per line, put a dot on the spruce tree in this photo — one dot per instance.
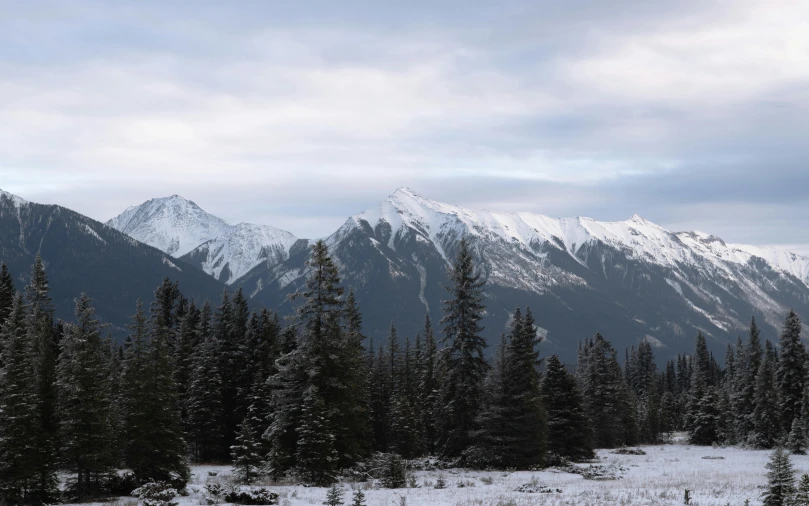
[358, 499]
[765, 430]
[463, 363]
[796, 441]
[45, 352]
[21, 472]
[747, 371]
[7, 293]
[134, 395]
[802, 492]
[246, 454]
[791, 373]
[334, 497]
[84, 403]
[206, 419]
[780, 480]
[316, 456]
[428, 387]
[568, 432]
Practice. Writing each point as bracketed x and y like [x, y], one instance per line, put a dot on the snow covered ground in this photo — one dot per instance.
[728, 476]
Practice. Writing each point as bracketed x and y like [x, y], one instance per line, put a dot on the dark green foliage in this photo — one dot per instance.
[606, 395]
[358, 499]
[780, 480]
[22, 476]
[84, 403]
[246, 454]
[394, 475]
[6, 293]
[206, 424]
[569, 432]
[428, 387]
[791, 375]
[796, 442]
[765, 415]
[462, 364]
[802, 492]
[315, 456]
[334, 497]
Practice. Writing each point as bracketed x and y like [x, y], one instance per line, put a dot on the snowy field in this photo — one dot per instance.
[728, 476]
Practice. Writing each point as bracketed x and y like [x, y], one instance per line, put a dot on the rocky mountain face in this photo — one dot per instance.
[629, 280]
[182, 229]
[84, 255]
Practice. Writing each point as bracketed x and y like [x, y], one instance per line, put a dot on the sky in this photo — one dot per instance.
[693, 114]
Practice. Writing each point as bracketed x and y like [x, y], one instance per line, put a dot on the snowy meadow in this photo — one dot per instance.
[714, 477]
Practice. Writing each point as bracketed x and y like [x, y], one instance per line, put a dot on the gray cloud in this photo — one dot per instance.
[298, 114]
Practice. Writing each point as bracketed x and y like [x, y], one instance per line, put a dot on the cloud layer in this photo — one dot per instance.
[693, 114]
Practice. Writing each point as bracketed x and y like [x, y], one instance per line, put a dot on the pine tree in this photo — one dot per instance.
[568, 433]
[182, 353]
[463, 362]
[748, 370]
[21, 475]
[205, 410]
[7, 293]
[802, 493]
[45, 352]
[428, 387]
[791, 371]
[403, 420]
[246, 454]
[84, 402]
[334, 497]
[134, 395]
[703, 412]
[781, 480]
[358, 499]
[765, 414]
[316, 457]
[796, 442]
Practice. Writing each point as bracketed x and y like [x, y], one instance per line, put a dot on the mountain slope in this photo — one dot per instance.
[83, 255]
[630, 280]
[182, 229]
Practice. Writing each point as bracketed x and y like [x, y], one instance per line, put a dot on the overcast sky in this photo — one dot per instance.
[298, 114]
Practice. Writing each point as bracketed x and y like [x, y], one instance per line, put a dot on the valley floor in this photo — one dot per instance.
[726, 476]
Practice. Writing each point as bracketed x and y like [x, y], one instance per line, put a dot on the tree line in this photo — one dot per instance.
[306, 398]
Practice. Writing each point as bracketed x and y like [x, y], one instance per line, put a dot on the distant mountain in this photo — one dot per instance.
[629, 280]
[182, 229]
[84, 255]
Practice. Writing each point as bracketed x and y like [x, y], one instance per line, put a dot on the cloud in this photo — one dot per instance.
[690, 113]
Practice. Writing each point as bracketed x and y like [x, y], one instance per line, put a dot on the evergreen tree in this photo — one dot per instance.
[522, 382]
[703, 412]
[791, 373]
[84, 402]
[21, 474]
[358, 499]
[781, 480]
[6, 293]
[316, 457]
[134, 394]
[796, 442]
[428, 386]
[205, 410]
[802, 493]
[605, 394]
[246, 454]
[765, 414]
[747, 370]
[403, 420]
[335, 496]
[463, 363]
[45, 352]
[183, 351]
[568, 432]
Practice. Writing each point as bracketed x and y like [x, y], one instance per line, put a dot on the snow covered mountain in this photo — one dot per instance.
[84, 255]
[629, 280]
[182, 229]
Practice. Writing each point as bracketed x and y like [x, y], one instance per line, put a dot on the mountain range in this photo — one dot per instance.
[629, 280]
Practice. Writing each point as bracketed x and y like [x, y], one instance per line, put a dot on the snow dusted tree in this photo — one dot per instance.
[780, 480]
[21, 472]
[316, 456]
[205, 411]
[796, 441]
[334, 497]
[182, 354]
[703, 409]
[791, 373]
[358, 499]
[428, 386]
[747, 368]
[765, 414]
[568, 429]
[463, 363]
[246, 454]
[136, 422]
[84, 402]
[7, 293]
[403, 419]
[802, 492]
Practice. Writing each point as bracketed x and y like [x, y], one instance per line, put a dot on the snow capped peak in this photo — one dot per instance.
[180, 227]
[15, 199]
[172, 224]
